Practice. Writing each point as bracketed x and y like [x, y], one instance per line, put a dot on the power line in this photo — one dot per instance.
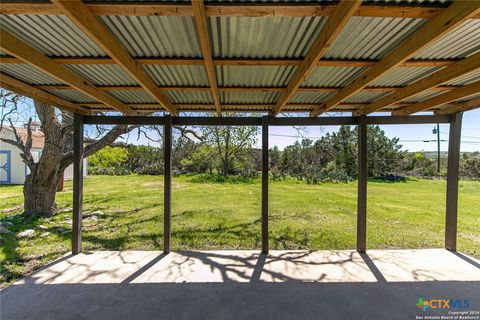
[401, 140]
[463, 136]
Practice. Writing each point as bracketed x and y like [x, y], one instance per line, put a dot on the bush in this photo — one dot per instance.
[108, 161]
[216, 178]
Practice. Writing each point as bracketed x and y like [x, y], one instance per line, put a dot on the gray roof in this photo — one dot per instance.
[279, 37]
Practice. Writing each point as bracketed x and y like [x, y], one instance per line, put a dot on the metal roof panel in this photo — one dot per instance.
[53, 35]
[28, 74]
[263, 37]
[155, 36]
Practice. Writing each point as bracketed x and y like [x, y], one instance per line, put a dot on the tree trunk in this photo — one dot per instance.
[39, 199]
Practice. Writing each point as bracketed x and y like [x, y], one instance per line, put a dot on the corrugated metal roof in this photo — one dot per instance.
[72, 95]
[365, 96]
[103, 74]
[332, 76]
[371, 38]
[263, 37]
[461, 42]
[249, 97]
[402, 76]
[52, 35]
[28, 74]
[132, 96]
[311, 97]
[189, 96]
[177, 75]
[423, 96]
[155, 36]
[465, 79]
[250, 76]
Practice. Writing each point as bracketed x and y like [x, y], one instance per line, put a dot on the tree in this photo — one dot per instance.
[230, 144]
[41, 183]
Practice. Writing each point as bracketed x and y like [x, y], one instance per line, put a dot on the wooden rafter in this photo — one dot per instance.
[27, 90]
[252, 106]
[451, 72]
[224, 9]
[240, 89]
[335, 24]
[453, 95]
[81, 16]
[242, 62]
[460, 106]
[444, 22]
[16, 47]
[204, 38]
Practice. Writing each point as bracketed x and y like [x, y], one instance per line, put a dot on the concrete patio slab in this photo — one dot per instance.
[382, 284]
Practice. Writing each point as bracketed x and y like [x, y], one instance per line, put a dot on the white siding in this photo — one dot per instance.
[18, 169]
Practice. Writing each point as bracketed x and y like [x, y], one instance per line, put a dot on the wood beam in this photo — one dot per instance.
[362, 185]
[453, 169]
[451, 72]
[242, 62]
[265, 177]
[27, 90]
[334, 25]
[444, 22]
[453, 95]
[460, 106]
[167, 184]
[77, 183]
[291, 107]
[81, 16]
[239, 89]
[23, 51]
[203, 36]
[263, 10]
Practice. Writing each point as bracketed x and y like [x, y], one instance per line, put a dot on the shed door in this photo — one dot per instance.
[5, 166]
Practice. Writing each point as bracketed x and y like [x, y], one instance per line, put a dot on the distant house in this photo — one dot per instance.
[12, 169]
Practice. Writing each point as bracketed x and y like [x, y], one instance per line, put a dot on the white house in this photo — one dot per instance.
[12, 169]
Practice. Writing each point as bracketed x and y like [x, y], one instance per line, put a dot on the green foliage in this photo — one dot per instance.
[229, 152]
[144, 160]
[470, 165]
[108, 161]
[216, 178]
[202, 160]
[333, 158]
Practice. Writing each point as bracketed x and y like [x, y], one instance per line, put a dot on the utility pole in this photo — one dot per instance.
[436, 130]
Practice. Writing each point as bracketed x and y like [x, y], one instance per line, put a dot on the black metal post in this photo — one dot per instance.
[265, 171]
[167, 183]
[77, 183]
[452, 182]
[362, 186]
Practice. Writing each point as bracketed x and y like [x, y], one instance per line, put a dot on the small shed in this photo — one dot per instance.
[12, 168]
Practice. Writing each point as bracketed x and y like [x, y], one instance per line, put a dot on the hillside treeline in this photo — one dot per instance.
[228, 153]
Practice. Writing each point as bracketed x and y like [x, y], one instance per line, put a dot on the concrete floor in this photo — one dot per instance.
[382, 284]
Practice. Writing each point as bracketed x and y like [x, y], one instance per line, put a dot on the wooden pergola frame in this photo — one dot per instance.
[441, 20]
[454, 120]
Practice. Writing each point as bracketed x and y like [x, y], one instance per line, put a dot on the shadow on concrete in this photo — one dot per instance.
[229, 285]
[465, 258]
[144, 268]
[373, 268]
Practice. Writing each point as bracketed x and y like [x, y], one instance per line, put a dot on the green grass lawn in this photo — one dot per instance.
[126, 212]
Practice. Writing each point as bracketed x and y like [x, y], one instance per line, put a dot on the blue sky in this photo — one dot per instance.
[284, 136]
[411, 136]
